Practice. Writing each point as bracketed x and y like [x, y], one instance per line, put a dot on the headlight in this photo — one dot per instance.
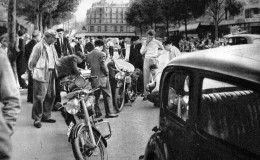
[80, 82]
[73, 106]
[120, 75]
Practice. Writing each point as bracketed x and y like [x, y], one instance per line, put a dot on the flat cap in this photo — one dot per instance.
[60, 30]
[50, 32]
[134, 38]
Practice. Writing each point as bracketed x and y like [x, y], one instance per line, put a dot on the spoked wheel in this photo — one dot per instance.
[119, 98]
[83, 150]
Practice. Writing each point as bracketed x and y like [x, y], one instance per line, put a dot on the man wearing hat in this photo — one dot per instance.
[62, 44]
[42, 64]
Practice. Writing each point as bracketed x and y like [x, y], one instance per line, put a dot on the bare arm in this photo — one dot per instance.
[143, 48]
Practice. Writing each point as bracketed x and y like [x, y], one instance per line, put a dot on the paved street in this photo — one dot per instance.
[130, 133]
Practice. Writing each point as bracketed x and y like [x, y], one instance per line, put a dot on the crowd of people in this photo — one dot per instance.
[48, 58]
[191, 44]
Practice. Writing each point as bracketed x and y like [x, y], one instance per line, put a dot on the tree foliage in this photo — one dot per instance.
[45, 13]
[218, 10]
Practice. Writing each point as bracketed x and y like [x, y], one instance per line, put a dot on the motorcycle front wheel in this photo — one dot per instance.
[119, 98]
[82, 148]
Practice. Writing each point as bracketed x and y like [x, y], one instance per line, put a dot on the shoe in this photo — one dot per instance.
[98, 115]
[111, 116]
[37, 124]
[48, 120]
[145, 98]
[29, 101]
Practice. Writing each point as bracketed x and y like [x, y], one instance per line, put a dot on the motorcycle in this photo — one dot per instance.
[126, 88]
[84, 131]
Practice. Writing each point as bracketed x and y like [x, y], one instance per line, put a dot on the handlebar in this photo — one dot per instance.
[70, 80]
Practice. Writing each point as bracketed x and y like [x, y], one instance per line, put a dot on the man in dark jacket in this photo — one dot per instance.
[10, 106]
[62, 44]
[136, 59]
[89, 46]
[96, 59]
[36, 37]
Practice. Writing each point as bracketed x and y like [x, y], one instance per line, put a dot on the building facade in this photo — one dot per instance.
[108, 19]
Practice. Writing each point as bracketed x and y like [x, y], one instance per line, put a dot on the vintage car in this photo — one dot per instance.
[243, 39]
[209, 106]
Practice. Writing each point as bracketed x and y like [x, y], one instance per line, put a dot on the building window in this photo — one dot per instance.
[99, 28]
[110, 20]
[121, 28]
[105, 28]
[91, 28]
[115, 28]
[100, 21]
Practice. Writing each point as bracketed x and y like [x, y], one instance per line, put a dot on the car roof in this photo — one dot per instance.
[242, 61]
[245, 35]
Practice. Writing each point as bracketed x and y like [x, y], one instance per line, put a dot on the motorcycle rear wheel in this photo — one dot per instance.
[119, 98]
[81, 150]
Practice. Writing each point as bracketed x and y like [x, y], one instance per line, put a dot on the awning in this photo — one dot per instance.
[189, 27]
[94, 34]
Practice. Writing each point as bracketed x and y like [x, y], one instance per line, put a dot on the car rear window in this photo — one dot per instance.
[231, 113]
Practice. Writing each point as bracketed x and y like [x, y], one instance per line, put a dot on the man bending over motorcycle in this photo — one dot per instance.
[67, 66]
[153, 87]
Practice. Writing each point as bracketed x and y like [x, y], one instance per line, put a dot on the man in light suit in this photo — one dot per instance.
[96, 59]
[62, 44]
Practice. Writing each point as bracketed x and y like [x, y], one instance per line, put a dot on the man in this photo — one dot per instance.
[96, 59]
[10, 106]
[122, 46]
[89, 46]
[62, 44]
[79, 47]
[153, 87]
[136, 59]
[66, 66]
[42, 63]
[21, 64]
[110, 46]
[150, 51]
[36, 37]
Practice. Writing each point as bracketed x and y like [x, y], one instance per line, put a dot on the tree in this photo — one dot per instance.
[168, 12]
[11, 34]
[134, 16]
[218, 10]
[46, 13]
[152, 13]
[187, 9]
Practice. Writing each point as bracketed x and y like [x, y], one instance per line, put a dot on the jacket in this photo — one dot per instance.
[9, 104]
[96, 60]
[78, 48]
[38, 50]
[135, 57]
[28, 49]
[66, 48]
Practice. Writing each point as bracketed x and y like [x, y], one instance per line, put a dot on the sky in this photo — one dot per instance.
[86, 4]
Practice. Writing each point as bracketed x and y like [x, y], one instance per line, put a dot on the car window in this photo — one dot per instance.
[231, 113]
[178, 95]
[256, 40]
[237, 40]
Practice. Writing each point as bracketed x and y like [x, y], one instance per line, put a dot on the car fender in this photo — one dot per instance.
[156, 148]
[76, 129]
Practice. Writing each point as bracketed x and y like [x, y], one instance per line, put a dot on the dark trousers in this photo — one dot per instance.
[107, 97]
[58, 90]
[153, 96]
[30, 87]
[43, 97]
[111, 51]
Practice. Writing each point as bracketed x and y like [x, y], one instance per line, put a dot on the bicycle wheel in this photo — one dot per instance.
[81, 146]
[119, 98]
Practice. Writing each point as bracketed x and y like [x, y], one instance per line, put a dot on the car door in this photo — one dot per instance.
[175, 116]
[228, 116]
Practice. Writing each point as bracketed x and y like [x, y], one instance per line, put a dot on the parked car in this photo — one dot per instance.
[243, 39]
[209, 106]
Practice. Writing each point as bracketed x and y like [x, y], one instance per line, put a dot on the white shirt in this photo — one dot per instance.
[50, 53]
[110, 44]
[174, 52]
[150, 49]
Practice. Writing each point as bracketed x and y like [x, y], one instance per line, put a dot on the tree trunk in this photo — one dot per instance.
[185, 23]
[167, 29]
[11, 35]
[40, 22]
[36, 22]
[216, 29]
